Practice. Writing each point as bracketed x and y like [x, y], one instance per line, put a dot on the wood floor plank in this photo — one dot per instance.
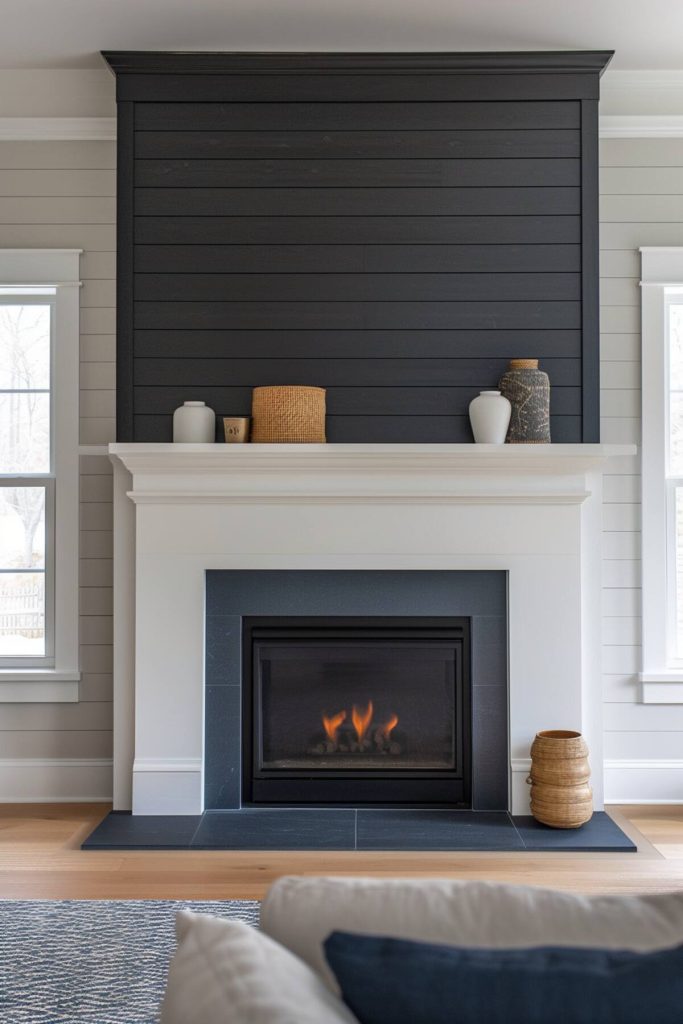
[40, 858]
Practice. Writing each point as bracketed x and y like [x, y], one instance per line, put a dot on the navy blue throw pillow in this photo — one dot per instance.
[393, 981]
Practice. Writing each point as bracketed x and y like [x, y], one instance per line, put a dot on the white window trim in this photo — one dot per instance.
[59, 269]
[661, 276]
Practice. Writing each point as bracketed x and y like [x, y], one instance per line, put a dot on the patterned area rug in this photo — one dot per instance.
[92, 961]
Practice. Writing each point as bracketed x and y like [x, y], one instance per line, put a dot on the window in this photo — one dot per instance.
[38, 475]
[662, 479]
[27, 484]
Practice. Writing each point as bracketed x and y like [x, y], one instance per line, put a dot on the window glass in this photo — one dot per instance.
[25, 343]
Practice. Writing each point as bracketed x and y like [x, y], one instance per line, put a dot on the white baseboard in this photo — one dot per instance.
[55, 780]
[641, 781]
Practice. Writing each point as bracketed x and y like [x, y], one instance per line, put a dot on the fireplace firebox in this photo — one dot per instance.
[356, 711]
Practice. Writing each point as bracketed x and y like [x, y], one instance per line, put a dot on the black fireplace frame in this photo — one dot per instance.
[353, 787]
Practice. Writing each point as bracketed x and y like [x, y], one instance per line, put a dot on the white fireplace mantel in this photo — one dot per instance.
[337, 473]
[532, 510]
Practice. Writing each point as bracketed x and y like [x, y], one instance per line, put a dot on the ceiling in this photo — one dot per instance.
[70, 33]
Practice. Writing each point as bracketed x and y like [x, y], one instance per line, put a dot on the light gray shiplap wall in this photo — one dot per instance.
[641, 204]
[62, 195]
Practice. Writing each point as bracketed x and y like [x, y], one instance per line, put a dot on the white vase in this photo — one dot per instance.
[490, 417]
[194, 423]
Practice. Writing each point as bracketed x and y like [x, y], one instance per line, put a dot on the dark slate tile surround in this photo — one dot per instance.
[227, 826]
[481, 596]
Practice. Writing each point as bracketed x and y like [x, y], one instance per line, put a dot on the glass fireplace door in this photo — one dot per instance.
[357, 711]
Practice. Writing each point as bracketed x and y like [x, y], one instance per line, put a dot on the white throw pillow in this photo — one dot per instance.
[225, 972]
[301, 912]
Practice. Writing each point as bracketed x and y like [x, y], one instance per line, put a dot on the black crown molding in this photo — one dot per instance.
[124, 62]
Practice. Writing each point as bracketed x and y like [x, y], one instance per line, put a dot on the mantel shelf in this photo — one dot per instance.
[401, 459]
[342, 474]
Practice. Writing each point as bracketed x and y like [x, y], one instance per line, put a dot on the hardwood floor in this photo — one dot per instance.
[40, 859]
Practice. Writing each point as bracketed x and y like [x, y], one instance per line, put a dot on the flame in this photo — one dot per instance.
[331, 724]
[361, 720]
[389, 727]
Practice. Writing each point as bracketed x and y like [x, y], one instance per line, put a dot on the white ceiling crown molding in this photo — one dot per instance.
[57, 129]
[641, 126]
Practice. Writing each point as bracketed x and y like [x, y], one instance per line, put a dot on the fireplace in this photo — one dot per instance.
[343, 710]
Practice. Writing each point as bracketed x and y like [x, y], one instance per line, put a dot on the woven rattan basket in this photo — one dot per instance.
[288, 415]
[561, 795]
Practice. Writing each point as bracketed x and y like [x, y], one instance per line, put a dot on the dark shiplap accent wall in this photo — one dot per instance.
[391, 227]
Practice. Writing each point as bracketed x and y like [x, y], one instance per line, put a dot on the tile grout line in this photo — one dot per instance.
[521, 837]
[194, 834]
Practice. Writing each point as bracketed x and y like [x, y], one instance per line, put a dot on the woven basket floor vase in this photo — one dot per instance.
[288, 415]
[561, 795]
[528, 390]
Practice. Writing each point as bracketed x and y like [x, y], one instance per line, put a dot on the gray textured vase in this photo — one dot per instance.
[528, 390]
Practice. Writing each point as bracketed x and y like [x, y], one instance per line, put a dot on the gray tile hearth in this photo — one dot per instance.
[348, 828]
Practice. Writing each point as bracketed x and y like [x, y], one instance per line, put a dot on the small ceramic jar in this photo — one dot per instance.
[490, 417]
[194, 423]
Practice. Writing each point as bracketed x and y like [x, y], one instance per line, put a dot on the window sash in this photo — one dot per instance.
[47, 480]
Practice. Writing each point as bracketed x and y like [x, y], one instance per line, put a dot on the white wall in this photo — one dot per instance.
[641, 204]
[62, 194]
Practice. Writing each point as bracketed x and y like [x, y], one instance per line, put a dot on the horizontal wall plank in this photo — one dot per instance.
[630, 717]
[83, 716]
[77, 156]
[620, 348]
[620, 689]
[348, 202]
[619, 320]
[616, 235]
[40, 235]
[96, 687]
[99, 266]
[621, 630]
[96, 600]
[73, 182]
[97, 376]
[67, 210]
[620, 291]
[365, 116]
[659, 744]
[622, 602]
[641, 181]
[44, 743]
[620, 489]
[621, 575]
[98, 348]
[365, 316]
[323, 171]
[476, 373]
[382, 429]
[97, 658]
[347, 401]
[559, 144]
[641, 209]
[620, 403]
[619, 263]
[341, 230]
[350, 258]
[619, 516]
[339, 344]
[641, 152]
[101, 430]
[357, 288]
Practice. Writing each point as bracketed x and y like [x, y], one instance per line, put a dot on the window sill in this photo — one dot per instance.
[38, 686]
[661, 687]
